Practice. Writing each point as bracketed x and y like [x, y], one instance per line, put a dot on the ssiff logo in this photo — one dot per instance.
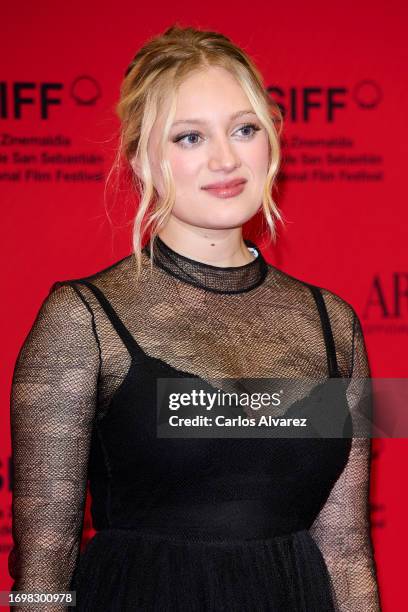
[302, 104]
[16, 98]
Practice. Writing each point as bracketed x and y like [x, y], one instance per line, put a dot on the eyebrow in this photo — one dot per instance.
[202, 121]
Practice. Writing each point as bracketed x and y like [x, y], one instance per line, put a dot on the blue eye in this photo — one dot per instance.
[254, 128]
[182, 137]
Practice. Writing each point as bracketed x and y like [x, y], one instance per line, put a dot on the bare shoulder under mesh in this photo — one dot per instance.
[274, 329]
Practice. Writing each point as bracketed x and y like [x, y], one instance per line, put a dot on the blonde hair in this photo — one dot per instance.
[152, 78]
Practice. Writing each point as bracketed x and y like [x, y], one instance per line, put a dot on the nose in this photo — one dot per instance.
[223, 155]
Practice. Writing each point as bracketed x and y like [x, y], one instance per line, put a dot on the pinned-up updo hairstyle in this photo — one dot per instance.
[153, 78]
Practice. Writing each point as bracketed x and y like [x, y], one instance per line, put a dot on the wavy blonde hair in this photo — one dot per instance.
[152, 78]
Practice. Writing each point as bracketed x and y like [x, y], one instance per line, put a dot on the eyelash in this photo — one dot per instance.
[181, 137]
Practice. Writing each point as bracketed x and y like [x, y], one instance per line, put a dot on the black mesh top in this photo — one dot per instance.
[82, 404]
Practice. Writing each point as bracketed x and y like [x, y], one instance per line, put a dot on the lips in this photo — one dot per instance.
[225, 185]
[229, 189]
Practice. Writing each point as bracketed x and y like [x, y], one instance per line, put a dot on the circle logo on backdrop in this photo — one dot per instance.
[367, 94]
[85, 90]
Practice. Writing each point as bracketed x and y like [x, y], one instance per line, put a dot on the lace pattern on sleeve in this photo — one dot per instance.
[53, 400]
[342, 528]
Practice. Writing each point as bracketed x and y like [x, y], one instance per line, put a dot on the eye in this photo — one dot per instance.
[183, 138]
[252, 126]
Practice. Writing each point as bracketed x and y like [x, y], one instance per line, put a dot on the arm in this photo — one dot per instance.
[342, 529]
[52, 408]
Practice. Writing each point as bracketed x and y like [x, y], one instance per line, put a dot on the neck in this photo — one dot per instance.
[214, 247]
[216, 278]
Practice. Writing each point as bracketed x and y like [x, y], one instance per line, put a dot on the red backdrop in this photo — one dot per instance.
[338, 73]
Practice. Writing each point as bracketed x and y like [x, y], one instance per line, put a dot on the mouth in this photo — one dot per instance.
[225, 184]
[228, 189]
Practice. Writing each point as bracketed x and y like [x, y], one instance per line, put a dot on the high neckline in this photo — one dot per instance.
[218, 279]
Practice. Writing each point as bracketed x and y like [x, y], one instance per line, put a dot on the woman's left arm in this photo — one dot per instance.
[342, 528]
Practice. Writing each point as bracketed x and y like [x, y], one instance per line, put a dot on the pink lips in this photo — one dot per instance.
[227, 189]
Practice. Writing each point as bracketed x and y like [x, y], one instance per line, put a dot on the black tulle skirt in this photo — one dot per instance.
[123, 570]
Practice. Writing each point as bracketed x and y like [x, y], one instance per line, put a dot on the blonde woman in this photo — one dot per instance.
[188, 524]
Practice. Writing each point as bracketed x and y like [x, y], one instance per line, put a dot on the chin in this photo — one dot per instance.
[220, 214]
[237, 213]
[223, 222]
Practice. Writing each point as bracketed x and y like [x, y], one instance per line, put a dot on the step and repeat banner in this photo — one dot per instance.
[339, 75]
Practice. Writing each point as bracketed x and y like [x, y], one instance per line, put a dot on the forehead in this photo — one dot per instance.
[210, 90]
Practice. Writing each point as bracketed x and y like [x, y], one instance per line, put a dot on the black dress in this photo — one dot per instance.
[233, 524]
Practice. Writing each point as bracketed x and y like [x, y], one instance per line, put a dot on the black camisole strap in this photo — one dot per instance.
[127, 338]
[327, 332]
[133, 346]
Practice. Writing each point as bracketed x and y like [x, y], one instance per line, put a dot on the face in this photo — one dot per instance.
[214, 141]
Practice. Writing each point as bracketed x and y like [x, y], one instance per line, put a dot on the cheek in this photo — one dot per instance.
[257, 157]
[184, 165]
[184, 169]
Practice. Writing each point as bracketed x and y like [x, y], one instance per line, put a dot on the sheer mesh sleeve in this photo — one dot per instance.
[342, 528]
[53, 400]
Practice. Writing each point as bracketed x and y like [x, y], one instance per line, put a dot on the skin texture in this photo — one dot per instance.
[202, 226]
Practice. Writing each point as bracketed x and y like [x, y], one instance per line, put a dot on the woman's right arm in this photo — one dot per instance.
[53, 401]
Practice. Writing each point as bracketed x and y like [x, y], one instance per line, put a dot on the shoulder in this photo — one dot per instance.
[297, 294]
[301, 289]
[113, 272]
[114, 275]
[70, 305]
[62, 320]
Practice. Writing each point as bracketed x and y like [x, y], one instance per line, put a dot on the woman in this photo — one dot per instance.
[189, 524]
